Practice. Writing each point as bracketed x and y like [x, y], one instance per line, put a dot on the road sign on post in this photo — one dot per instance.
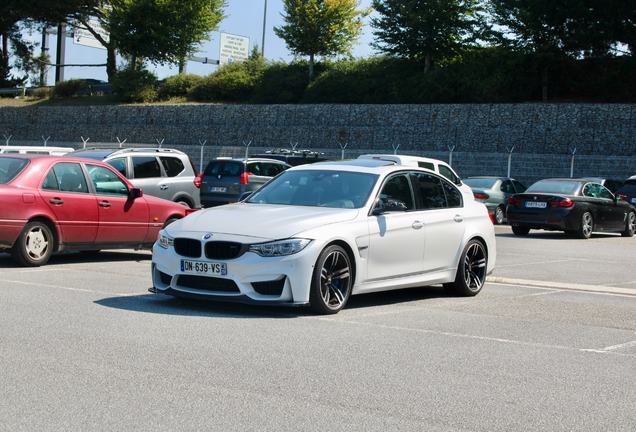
[234, 48]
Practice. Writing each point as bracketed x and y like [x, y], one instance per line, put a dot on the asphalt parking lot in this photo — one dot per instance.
[549, 344]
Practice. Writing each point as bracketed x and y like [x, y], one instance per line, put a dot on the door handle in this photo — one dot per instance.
[56, 201]
[458, 218]
[105, 204]
[417, 224]
[163, 187]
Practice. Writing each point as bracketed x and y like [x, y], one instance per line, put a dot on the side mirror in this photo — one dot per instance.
[244, 196]
[136, 193]
[387, 205]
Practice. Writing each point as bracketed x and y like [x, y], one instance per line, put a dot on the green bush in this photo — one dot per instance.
[138, 86]
[42, 93]
[177, 86]
[69, 88]
[233, 82]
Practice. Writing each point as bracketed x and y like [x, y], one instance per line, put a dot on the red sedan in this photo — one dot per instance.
[51, 204]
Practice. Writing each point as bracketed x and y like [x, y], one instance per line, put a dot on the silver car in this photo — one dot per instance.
[494, 193]
[161, 172]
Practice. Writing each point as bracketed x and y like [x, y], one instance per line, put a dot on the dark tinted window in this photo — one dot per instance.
[119, 164]
[10, 168]
[145, 167]
[453, 195]
[172, 165]
[398, 188]
[431, 191]
[223, 168]
[271, 169]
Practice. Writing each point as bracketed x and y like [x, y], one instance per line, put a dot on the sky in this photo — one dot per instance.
[244, 18]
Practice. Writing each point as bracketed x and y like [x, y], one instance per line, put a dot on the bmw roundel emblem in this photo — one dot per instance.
[207, 236]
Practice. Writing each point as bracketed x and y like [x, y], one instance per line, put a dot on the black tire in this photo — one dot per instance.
[34, 245]
[471, 271]
[630, 225]
[332, 281]
[586, 227]
[520, 230]
[169, 221]
[500, 215]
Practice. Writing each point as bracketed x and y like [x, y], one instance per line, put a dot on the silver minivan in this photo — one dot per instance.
[161, 172]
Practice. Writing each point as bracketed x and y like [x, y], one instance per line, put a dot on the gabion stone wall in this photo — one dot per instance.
[541, 139]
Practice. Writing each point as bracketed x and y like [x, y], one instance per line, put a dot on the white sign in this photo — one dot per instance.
[234, 48]
[81, 36]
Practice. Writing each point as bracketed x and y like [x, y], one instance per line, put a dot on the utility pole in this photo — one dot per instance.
[61, 53]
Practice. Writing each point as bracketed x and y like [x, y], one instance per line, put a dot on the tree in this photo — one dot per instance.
[321, 27]
[427, 30]
[162, 31]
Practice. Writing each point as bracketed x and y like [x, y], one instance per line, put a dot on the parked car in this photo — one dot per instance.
[627, 191]
[293, 157]
[494, 192]
[612, 184]
[435, 165]
[55, 203]
[161, 172]
[318, 233]
[46, 150]
[575, 206]
[224, 180]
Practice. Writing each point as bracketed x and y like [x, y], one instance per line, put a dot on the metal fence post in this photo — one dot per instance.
[160, 142]
[572, 162]
[201, 158]
[121, 143]
[7, 138]
[510, 150]
[247, 148]
[395, 149]
[450, 155]
[84, 141]
[46, 140]
[342, 149]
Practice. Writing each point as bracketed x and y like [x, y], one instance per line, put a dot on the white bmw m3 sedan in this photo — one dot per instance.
[317, 234]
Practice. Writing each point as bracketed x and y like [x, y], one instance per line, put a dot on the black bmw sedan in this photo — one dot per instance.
[575, 206]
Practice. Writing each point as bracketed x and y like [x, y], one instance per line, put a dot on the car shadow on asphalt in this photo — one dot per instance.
[167, 305]
[63, 258]
[556, 235]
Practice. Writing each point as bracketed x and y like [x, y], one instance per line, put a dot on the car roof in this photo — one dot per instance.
[371, 166]
[97, 152]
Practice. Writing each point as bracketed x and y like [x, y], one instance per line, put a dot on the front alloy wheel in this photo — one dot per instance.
[471, 272]
[630, 225]
[499, 215]
[331, 283]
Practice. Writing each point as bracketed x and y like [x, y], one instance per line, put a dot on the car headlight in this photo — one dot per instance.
[280, 247]
[164, 240]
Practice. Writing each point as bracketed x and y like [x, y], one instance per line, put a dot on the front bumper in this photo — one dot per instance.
[250, 278]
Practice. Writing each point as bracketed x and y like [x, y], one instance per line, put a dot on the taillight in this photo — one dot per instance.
[244, 176]
[622, 196]
[198, 179]
[492, 217]
[514, 201]
[565, 202]
[481, 196]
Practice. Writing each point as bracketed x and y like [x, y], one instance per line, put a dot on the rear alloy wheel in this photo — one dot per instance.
[499, 215]
[520, 230]
[34, 245]
[331, 283]
[471, 271]
[587, 226]
[630, 225]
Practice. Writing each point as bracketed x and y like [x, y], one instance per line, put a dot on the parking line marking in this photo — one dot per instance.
[564, 286]
[68, 288]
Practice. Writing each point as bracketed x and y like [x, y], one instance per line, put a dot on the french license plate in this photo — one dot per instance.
[536, 204]
[203, 268]
[217, 189]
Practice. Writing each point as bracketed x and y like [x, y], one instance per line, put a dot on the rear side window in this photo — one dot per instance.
[172, 165]
[66, 177]
[453, 195]
[223, 168]
[426, 165]
[431, 191]
[10, 168]
[271, 169]
[145, 167]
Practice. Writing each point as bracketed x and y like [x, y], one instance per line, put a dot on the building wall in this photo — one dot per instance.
[540, 138]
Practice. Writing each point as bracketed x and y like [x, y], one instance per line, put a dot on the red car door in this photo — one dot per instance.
[65, 191]
[122, 219]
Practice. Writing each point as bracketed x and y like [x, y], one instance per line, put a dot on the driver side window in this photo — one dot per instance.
[398, 188]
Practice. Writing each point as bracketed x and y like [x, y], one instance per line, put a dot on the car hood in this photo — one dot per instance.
[261, 221]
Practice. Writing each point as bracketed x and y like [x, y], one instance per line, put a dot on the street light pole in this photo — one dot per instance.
[264, 29]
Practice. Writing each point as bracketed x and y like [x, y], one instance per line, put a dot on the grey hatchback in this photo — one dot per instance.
[161, 172]
[224, 179]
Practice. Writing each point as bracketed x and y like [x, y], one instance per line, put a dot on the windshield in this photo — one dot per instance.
[10, 168]
[558, 187]
[323, 188]
[480, 183]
